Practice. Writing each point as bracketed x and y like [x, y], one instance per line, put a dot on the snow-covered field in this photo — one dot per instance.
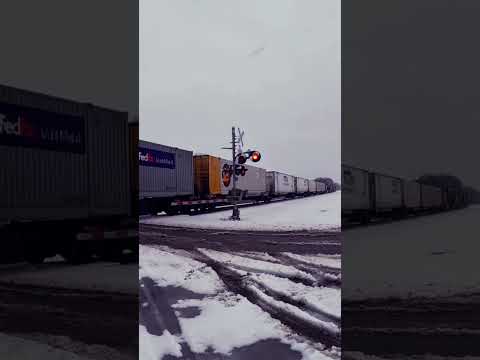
[224, 321]
[314, 213]
[432, 256]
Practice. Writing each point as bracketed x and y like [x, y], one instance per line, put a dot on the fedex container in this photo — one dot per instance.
[388, 192]
[321, 187]
[164, 171]
[355, 189]
[412, 195]
[301, 185]
[279, 183]
[61, 159]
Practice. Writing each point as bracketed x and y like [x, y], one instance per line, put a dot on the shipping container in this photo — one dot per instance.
[164, 171]
[431, 196]
[329, 184]
[133, 161]
[412, 195]
[279, 183]
[63, 159]
[312, 186]
[207, 175]
[355, 189]
[321, 188]
[301, 185]
[252, 184]
[212, 178]
[388, 193]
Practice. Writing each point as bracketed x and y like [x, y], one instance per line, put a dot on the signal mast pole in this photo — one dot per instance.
[236, 211]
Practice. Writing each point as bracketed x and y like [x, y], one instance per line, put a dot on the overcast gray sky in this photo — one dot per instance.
[410, 91]
[81, 50]
[269, 67]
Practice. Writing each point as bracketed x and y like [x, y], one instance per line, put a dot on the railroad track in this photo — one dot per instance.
[200, 211]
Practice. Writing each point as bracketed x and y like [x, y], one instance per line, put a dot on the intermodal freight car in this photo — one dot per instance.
[66, 188]
[367, 194]
[176, 181]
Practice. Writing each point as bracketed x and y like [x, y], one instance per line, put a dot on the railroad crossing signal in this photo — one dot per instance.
[237, 158]
[253, 155]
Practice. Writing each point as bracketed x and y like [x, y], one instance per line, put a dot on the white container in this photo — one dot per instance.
[301, 185]
[431, 197]
[388, 193]
[412, 195]
[321, 187]
[355, 189]
[252, 184]
[280, 184]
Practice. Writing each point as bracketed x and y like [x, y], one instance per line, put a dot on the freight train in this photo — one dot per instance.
[65, 184]
[367, 195]
[175, 181]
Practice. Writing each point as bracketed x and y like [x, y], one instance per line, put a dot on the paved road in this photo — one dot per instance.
[413, 327]
[88, 317]
[157, 314]
[188, 239]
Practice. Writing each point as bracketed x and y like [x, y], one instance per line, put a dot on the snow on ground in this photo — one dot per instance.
[331, 261]
[258, 255]
[226, 321]
[247, 324]
[313, 213]
[324, 299]
[12, 347]
[152, 347]
[168, 269]
[107, 277]
[327, 325]
[249, 264]
[432, 256]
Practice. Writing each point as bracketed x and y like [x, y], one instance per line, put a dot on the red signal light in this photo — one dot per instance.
[256, 156]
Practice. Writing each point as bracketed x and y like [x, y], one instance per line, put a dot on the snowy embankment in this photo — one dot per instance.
[432, 256]
[247, 324]
[321, 212]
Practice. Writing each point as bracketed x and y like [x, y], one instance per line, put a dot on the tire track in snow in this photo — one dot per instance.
[237, 284]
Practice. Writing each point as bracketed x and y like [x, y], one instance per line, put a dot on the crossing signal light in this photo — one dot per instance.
[242, 159]
[240, 170]
[255, 156]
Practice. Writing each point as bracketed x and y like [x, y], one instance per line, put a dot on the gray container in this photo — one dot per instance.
[60, 159]
[164, 171]
[108, 160]
[312, 186]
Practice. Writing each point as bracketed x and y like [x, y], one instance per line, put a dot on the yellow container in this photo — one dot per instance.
[207, 175]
